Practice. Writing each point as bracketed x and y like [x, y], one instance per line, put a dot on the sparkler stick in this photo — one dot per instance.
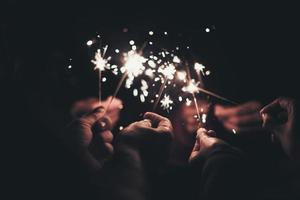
[191, 89]
[117, 90]
[217, 96]
[161, 89]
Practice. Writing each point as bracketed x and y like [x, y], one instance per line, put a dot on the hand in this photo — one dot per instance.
[241, 118]
[90, 138]
[205, 140]
[82, 107]
[279, 117]
[153, 134]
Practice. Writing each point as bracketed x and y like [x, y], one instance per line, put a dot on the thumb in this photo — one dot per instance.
[94, 116]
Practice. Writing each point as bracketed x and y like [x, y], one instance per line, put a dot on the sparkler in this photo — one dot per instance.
[134, 66]
[101, 64]
[168, 74]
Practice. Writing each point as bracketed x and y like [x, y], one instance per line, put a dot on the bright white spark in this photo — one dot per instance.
[180, 98]
[135, 92]
[207, 73]
[149, 72]
[204, 116]
[199, 68]
[117, 50]
[207, 30]
[104, 79]
[188, 102]
[168, 71]
[234, 131]
[166, 33]
[70, 66]
[166, 102]
[131, 42]
[151, 63]
[191, 87]
[144, 87]
[99, 61]
[142, 98]
[134, 63]
[151, 33]
[176, 59]
[181, 75]
[89, 43]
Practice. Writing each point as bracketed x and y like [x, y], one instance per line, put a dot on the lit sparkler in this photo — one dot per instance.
[168, 74]
[101, 63]
[166, 103]
[133, 67]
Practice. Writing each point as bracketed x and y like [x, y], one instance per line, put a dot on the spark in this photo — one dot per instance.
[181, 75]
[176, 59]
[207, 30]
[199, 68]
[191, 87]
[207, 73]
[168, 71]
[188, 102]
[142, 98]
[151, 63]
[121, 128]
[70, 66]
[135, 92]
[166, 103]
[234, 131]
[104, 79]
[131, 42]
[180, 98]
[89, 42]
[117, 50]
[151, 33]
[134, 63]
[204, 116]
[166, 33]
[99, 61]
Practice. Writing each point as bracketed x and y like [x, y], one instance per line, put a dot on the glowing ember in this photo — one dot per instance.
[166, 103]
[191, 87]
[99, 61]
[199, 68]
[188, 102]
[168, 71]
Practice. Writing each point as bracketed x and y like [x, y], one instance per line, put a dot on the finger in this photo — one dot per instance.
[144, 123]
[249, 107]
[161, 122]
[102, 124]
[270, 121]
[106, 136]
[253, 128]
[200, 133]
[94, 116]
[246, 120]
[211, 133]
[273, 107]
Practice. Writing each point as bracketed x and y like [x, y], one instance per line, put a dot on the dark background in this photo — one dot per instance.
[252, 51]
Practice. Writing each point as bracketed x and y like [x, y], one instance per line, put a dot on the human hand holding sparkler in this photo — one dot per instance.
[151, 136]
[90, 138]
[85, 106]
[205, 140]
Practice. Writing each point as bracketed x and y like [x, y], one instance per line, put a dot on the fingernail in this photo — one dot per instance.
[99, 109]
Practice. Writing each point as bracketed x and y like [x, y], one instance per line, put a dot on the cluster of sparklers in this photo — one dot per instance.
[163, 68]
